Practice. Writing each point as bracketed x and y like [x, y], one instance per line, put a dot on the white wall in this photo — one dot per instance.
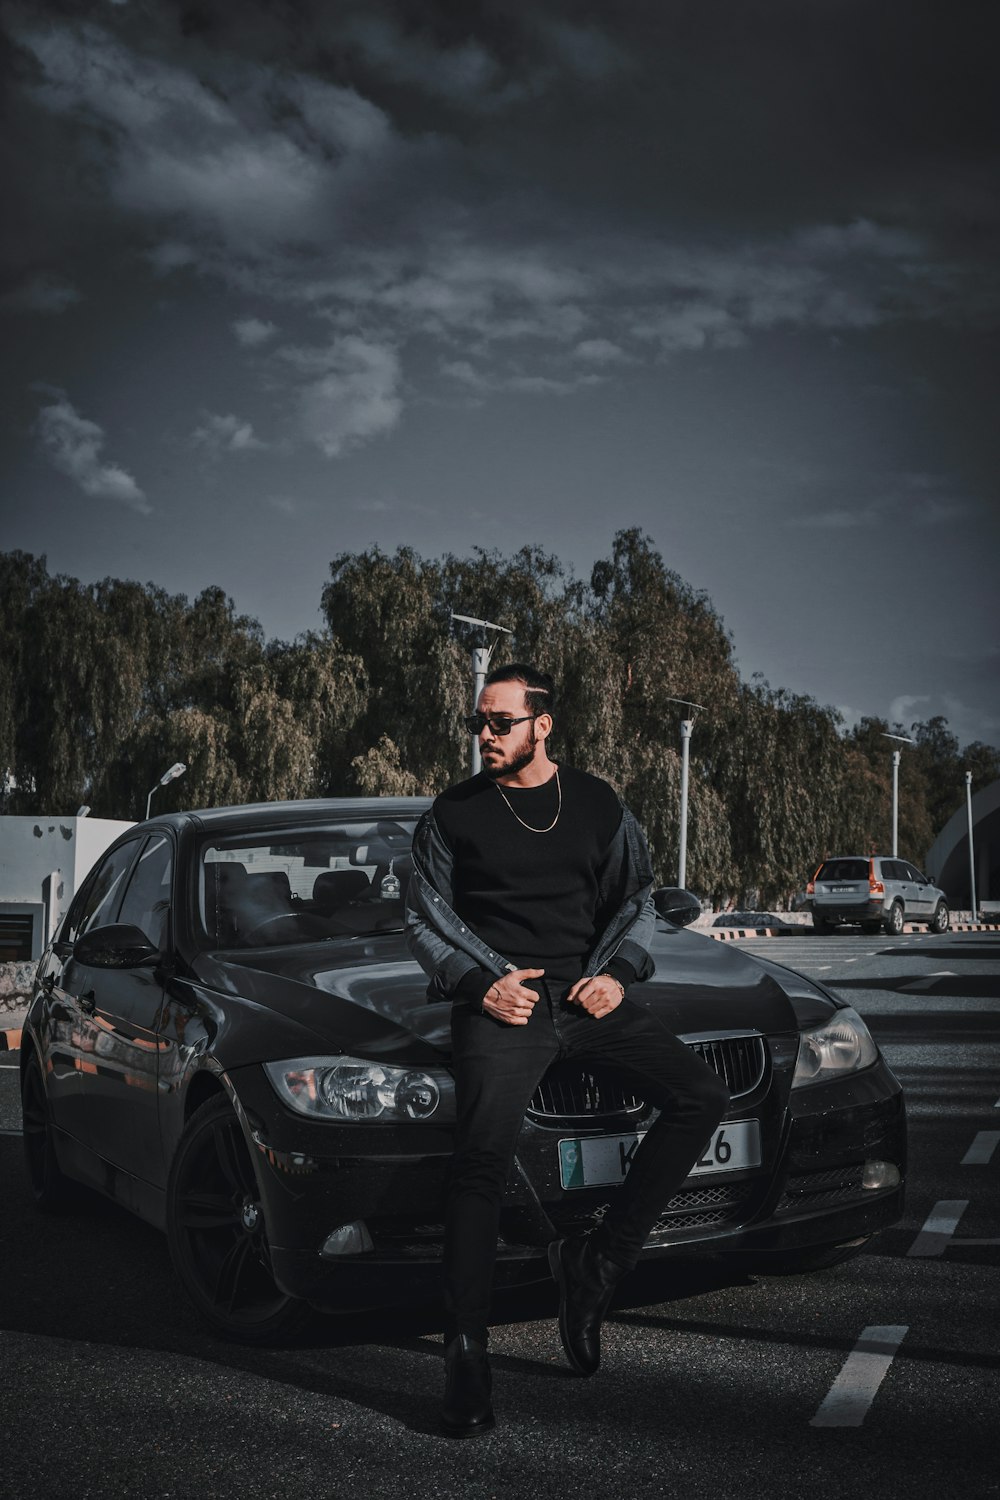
[44, 860]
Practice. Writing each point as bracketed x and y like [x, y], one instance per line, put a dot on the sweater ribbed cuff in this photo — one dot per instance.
[471, 988]
[622, 970]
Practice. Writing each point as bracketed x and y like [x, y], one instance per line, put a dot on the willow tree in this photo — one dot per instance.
[389, 613]
[662, 640]
[23, 579]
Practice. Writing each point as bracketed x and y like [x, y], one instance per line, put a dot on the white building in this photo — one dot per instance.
[42, 863]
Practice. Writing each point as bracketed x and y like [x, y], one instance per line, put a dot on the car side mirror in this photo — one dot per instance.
[117, 946]
[676, 906]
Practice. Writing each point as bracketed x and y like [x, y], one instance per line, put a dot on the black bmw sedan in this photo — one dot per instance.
[229, 1037]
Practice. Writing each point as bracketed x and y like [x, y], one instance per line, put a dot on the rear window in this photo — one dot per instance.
[843, 869]
[345, 879]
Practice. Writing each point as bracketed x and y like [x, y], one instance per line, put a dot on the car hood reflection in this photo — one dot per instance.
[367, 997]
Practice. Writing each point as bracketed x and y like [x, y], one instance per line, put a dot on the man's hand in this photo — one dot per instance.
[509, 1000]
[598, 996]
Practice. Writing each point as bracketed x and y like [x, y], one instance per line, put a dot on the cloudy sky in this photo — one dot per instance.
[284, 280]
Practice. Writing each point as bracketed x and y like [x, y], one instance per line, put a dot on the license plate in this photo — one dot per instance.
[603, 1160]
[842, 890]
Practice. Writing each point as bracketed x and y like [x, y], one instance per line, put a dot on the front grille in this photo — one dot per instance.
[740, 1061]
[692, 1208]
[571, 1091]
[809, 1190]
[700, 1208]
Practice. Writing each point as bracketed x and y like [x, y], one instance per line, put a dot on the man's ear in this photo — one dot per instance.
[543, 726]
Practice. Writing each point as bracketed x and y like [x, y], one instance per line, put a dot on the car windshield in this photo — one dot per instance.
[843, 869]
[344, 879]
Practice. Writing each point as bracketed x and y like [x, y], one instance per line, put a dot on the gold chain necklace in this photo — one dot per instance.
[528, 826]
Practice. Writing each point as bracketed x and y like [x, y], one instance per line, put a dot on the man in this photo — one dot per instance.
[529, 906]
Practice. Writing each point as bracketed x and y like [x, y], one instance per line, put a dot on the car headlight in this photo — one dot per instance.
[351, 1088]
[841, 1045]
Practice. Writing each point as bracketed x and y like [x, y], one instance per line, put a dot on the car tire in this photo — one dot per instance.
[894, 919]
[52, 1191]
[941, 920]
[809, 1258]
[218, 1237]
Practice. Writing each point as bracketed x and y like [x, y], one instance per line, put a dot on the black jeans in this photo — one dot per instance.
[497, 1069]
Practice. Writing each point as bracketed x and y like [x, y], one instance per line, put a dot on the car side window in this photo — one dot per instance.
[104, 891]
[893, 869]
[147, 899]
[912, 873]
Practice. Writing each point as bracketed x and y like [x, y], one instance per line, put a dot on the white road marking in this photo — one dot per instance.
[852, 1393]
[824, 966]
[850, 960]
[980, 1153]
[939, 1226]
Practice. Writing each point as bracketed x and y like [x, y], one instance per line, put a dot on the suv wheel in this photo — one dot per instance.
[894, 919]
[941, 919]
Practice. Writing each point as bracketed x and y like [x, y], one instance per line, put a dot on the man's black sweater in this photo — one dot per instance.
[538, 897]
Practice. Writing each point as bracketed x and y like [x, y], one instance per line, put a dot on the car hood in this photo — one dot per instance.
[366, 997]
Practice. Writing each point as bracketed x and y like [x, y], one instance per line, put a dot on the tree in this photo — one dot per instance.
[103, 686]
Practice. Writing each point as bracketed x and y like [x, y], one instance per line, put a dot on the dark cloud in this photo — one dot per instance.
[744, 250]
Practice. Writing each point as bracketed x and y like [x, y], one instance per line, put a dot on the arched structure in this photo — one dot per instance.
[948, 859]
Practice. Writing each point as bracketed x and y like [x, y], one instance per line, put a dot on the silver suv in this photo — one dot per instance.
[877, 892]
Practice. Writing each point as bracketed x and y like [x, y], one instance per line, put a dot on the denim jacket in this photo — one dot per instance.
[447, 949]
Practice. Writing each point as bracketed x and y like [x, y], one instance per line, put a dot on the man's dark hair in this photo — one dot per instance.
[539, 688]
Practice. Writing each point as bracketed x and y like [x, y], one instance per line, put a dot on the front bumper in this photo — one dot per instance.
[316, 1176]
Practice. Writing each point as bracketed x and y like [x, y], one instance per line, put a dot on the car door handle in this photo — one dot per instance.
[88, 1002]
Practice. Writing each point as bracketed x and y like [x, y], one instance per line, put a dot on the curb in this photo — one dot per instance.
[726, 934]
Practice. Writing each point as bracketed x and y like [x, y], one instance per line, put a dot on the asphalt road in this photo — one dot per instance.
[713, 1384]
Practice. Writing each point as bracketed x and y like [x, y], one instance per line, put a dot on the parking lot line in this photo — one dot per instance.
[980, 1153]
[939, 1226]
[847, 1402]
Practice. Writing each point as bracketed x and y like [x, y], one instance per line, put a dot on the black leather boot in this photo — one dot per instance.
[587, 1280]
[467, 1410]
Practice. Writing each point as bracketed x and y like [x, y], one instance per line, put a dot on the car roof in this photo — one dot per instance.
[284, 814]
[828, 859]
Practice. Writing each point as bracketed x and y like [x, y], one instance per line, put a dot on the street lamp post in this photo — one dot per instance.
[480, 666]
[177, 769]
[972, 854]
[905, 739]
[686, 727]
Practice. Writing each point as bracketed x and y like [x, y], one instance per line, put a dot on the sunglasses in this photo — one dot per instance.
[500, 724]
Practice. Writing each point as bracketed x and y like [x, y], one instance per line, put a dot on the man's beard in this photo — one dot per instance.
[516, 763]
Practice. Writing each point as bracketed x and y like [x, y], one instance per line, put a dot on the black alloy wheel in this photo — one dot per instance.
[941, 920]
[217, 1234]
[51, 1190]
[894, 920]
